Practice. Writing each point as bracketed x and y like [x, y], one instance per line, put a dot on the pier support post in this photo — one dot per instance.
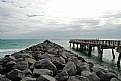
[70, 44]
[100, 53]
[80, 46]
[85, 47]
[89, 50]
[113, 54]
[118, 62]
[73, 46]
[77, 47]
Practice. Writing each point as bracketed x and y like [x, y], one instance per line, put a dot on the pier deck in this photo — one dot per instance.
[88, 44]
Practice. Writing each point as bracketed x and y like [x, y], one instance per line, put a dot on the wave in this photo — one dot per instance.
[4, 52]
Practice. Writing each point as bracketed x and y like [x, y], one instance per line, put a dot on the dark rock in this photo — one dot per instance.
[59, 59]
[15, 75]
[81, 58]
[1, 70]
[32, 67]
[70, 67]
[91, 65]
[107, 76]
[21, 65]
[77, 78]
[82, 66]
[45, 78]
[3, 78]
[96, 69]
[17, 55]
[38, 72]
[90, 76]
[114, 79]
[29, 79]
[58, 65]
[46, 41]
[10, 66]
[46, 56]
[75, 60]
[5, 60]
[27, 73]
[30, 60]
[45, 64]
[62, 76]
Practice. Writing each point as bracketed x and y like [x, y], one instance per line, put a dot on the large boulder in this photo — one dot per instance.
[77, 78]
[27, 72]
[108, 76]
[62, 76]
[45, 64]
[46, 56]
[1, 70]
[21, 65]
[30, 60]
[15, 75]
[70, 67]
[10, 66]
[114, 79]
[82, 66]
[3, 78]
[38, 72]
[58, 65]
[45, 78]
[28, 79]
[90, 76]
[59, 59]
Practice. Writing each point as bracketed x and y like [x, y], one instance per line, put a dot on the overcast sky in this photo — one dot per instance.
[60, 19]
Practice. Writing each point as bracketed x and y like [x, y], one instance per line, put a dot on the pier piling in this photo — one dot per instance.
[89, 44]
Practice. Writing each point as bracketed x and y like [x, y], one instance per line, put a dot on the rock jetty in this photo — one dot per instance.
[48, 61]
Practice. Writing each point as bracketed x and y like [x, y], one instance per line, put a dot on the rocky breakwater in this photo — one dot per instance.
[50, 62]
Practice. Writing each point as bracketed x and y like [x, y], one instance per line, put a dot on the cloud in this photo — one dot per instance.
[34, 19]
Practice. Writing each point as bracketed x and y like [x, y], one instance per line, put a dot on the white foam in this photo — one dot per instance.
[4, 52]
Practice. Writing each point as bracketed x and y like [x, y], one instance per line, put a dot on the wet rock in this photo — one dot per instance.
[38, 72]
[114, 79]
[10, 66]
[15, 75]
[30, 60]
[46, 56]
[108, 76]
[21, 65]
[82, 66]
[45, 78]
[3, 78]
[96, 69]
[45, 64]
[17, 55]
[91, 65]
[1, 70]
[75, 60]
[27, 73]
[58, 65]
[70, 67]
[77, 78]
[90, 76]
[62, 76]
[59, 59]
[29, 79]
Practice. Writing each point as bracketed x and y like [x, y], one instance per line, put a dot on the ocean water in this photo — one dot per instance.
[9, 46]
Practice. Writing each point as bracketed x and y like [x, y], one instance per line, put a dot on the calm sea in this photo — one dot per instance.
[9, 46]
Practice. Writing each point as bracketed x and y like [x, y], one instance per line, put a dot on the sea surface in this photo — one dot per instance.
[9, 46]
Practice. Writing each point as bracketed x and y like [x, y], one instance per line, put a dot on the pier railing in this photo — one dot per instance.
[112, 43]
[88, 44]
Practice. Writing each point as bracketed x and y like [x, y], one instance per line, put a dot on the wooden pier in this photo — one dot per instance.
[89, 44]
